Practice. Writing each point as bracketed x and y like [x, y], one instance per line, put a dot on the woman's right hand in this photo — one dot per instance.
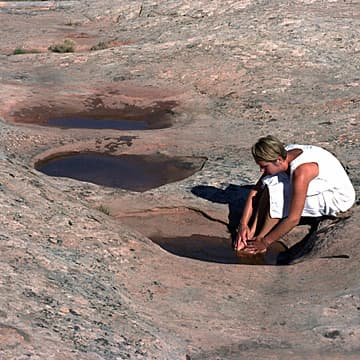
[243, 235]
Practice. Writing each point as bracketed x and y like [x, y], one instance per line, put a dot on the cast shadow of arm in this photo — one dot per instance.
[234, 196]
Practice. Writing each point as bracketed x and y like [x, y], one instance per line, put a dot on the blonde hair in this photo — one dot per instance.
[268, 148]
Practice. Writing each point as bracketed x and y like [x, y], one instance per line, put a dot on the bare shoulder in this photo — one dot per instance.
[306, 171]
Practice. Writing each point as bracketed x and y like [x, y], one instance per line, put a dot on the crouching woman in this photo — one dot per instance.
[296, 181]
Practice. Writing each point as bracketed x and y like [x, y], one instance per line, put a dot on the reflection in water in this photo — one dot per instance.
[91, 123]
[97, 116]
[131, 172]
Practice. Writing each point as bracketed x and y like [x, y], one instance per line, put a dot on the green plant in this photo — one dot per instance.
[70, 22]
[21, 51]
[104, 209]
[66, 46]
[102, 45]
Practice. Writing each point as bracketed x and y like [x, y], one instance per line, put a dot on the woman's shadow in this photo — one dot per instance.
[234, 196]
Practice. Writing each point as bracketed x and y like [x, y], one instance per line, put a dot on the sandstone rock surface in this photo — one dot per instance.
[81, 278]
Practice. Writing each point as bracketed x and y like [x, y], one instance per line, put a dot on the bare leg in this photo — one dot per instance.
[268, 224]
[262, 223]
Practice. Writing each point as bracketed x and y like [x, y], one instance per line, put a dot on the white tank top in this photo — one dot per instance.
[332, 176]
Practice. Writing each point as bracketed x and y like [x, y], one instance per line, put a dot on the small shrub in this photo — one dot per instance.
[70, 22]
[66, 46]
[21, 51]
[104, 209]
[102, 45]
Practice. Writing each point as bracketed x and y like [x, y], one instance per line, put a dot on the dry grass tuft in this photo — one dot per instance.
[66, 46]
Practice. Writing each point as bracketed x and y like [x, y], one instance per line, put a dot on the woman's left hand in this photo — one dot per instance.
[256, 245]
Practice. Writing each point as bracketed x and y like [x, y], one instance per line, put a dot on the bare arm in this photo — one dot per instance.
[244, 232]
[300, 183]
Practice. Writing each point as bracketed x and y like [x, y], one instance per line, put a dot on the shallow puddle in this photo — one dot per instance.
[98, 116]
[188, 233]
[130, 172]
[105, 123]
[206, 248]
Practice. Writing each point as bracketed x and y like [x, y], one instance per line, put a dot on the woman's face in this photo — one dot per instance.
[270, 167]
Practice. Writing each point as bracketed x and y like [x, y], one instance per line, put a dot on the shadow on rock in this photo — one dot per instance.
[234, 195]
[317, 239]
